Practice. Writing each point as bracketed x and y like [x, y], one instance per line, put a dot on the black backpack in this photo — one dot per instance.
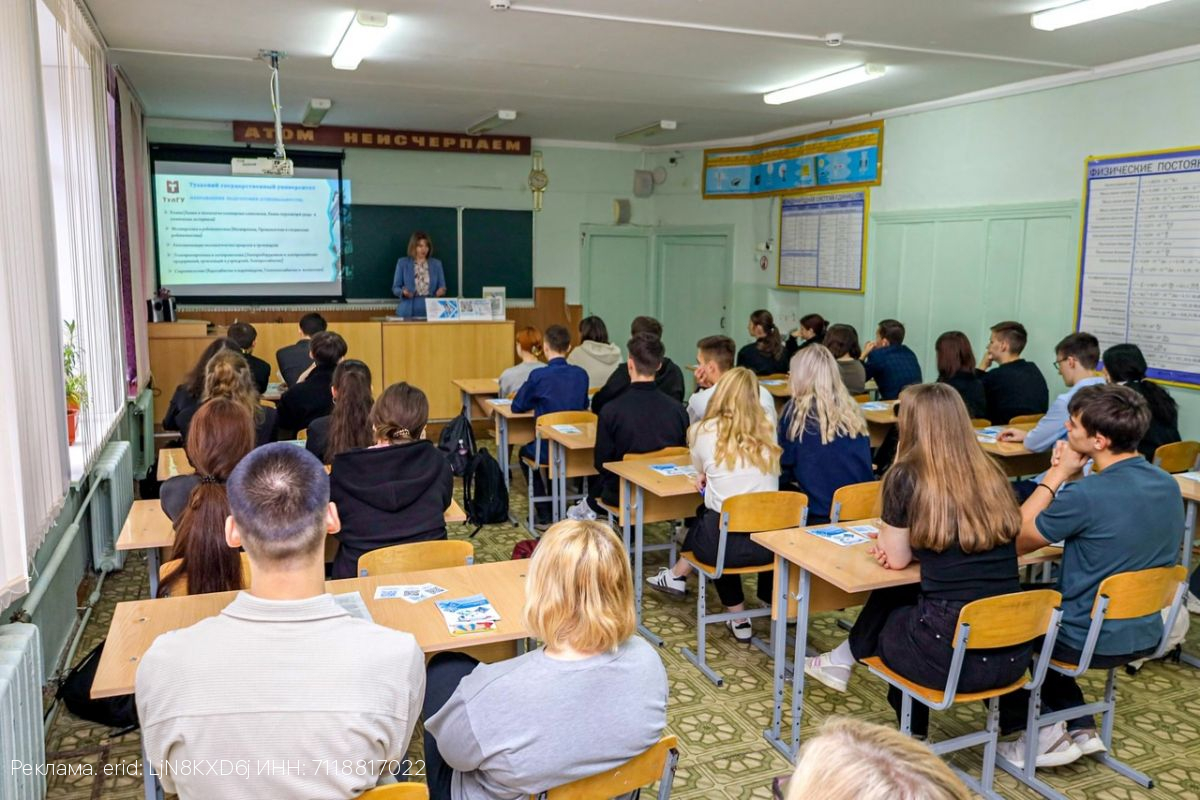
[76, 693]
[457, 442]
[484, 494]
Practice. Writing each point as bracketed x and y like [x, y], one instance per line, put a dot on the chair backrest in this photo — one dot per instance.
[565, 418]
[862, 398]
[180, 587]
[416, 556]
[979, 422]
[666, 452]
[1008, 620]
[656, 764]
[1140, 593]
[1024, 419]
[765, 511]
[397, 791]
[1178, 456]
[856, 501]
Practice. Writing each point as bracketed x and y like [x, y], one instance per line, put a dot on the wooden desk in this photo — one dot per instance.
[1015, 458]
[830, 577]
[136, 624]
[173, 461]
[651, 497]
[570, 457]
[479, 390]
[880, 421]
[778, 389]
[512, 429]
[433, 354]
[1190, 489]
[274, 392]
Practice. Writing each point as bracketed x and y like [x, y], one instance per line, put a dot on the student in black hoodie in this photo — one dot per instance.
[668, 379]
[767, 355]
[313, 397]
[190, 394]
[396, 491]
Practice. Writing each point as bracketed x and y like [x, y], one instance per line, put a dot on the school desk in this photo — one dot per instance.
[649, 496]
[880, 420]
[512, 430]
[1190, 489]
[475, 392]
[829, 577]
[173, 461]
[1015, 458]
[571, 456]
[779, 390]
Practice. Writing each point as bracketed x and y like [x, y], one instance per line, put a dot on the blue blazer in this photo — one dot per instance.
[414, 307]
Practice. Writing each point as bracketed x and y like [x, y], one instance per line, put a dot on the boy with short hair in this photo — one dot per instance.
[1125, 516]
[313, 397]
[714, 356]
[244, 334]
[668, 379]
[1015, 387]
[294, 360]
[892, 365]
[558, 386]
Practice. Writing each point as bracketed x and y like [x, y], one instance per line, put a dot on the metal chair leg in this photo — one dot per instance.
[698, 658]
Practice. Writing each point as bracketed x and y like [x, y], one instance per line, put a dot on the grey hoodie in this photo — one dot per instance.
[598, 360]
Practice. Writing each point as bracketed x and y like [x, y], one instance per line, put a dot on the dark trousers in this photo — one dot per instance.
[914, 635]
[442, 676]
[1059, 692]
[704, 536]
[1023, 489]
[1194, 583]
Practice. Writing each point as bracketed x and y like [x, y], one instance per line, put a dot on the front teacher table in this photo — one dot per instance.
[432, 355]
[571, 456]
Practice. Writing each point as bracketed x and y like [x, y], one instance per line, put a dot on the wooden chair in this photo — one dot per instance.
[1126, 595]
[740, 516]
[656, 764]
[1178, 457]
[397, 791]
[979, 422]
[855, 501]
[180, 588]
[416, 556]
[1025, 419]
[1006, 620]
[615, 513]
[543, 422]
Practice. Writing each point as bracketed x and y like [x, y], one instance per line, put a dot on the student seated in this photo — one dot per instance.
[850, 759]
[668, 379]
[222, 435]
[283, 675]
[348, 425]
[734, 452]
[245, 335]
[529, 353]
[558, 387]
[812, 330]
[228, 375]
[956, 369]
[296, 359]
[714, 357]
[1125, 516]
[1125, 364]
[822, 432]
[641, 420]
[509, 730]
[961, 523]
[842, 342]
[1016, 386]
[312, 398]
[396, 491]
[888, 362]
[767, 354]
[190, 394]
[595, 354]
[1075, 359]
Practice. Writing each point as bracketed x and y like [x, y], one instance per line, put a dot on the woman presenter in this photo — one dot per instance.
[417, 277]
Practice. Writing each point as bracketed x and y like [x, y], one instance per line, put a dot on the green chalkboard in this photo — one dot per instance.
[374, 238]
[497, 251]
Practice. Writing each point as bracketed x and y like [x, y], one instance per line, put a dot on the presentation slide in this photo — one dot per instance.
[247, 235]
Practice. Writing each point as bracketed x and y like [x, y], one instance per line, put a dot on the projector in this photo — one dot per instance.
[279, 167]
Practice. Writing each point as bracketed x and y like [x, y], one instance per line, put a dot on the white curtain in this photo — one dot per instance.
[137, 219]
[34, 467]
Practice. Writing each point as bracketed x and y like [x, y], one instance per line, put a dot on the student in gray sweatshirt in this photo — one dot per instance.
[502, 731]
[595, 353]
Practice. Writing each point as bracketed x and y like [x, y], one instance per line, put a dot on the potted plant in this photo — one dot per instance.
[74, 380]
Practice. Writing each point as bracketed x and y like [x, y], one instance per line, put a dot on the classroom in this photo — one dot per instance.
[391, 382]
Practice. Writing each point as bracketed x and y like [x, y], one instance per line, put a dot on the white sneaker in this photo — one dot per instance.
[1088, 741]
[1055, 748]
[581, 512]
[834, 676]
[1193, 603]
[667, 583]
[741, 630]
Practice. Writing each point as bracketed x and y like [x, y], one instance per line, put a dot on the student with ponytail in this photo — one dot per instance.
[1125, 364]
[812, 330]
[348, 426]
[228, 375]
[767, 355]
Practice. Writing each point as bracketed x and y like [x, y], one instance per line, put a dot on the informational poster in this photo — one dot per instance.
[843, 158]
[823, 241]
[446, 309]
[1139, 264]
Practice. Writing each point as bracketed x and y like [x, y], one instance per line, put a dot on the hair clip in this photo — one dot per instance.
[210, 479]
[404, 433]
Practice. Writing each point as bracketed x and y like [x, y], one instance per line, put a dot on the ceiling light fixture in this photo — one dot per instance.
[1085, 11]
[646, 131]
[826, 83]
[360, 39]
[315, 111]
[502, 117]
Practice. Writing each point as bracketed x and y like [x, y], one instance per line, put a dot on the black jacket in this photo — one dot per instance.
[318, 436]
[760, 363]
[181, 403]
[668, 380]
[261, 371]
[174, 493]
[293, 360]
[264, 424]
[1014, 389]
[386, 496]
[641, 420]
[968, 385]
[306, 401]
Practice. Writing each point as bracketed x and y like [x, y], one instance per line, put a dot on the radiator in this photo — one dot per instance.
[22, 736]
[111, 504]
[141, 432]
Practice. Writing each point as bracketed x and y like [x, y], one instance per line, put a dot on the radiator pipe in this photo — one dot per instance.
[66, 663]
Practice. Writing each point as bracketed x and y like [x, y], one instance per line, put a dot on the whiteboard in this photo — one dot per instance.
[823, 241]
[1139, 265]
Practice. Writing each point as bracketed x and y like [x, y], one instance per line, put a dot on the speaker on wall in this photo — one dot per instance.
[643, 183]
[622, 212]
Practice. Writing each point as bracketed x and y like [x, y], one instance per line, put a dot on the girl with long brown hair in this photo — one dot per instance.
[948, 504]
[221, 435]
[348, 426]
[767, 355]
[228, 375]
[190, 393]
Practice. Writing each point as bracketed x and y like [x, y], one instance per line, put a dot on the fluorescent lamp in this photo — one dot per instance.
[501, 117]
[315, 111]
[1085, 11]
[360, 39]
[646, 131]
[826, 83]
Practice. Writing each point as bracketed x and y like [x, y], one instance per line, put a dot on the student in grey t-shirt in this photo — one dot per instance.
[529, 351]
[511, 729]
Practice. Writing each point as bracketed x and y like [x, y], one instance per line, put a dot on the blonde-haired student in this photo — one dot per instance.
[734, 452]
[948, 504]
[850, 759]
[228, 375]
[503, 731]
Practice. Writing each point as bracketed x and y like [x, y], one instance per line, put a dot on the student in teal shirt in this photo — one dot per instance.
[1126, 516]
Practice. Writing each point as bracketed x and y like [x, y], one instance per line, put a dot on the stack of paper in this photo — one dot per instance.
[874, 405]
[670, 470]
[566, 428]
[472, 614]
[413, 593]
[838, 535]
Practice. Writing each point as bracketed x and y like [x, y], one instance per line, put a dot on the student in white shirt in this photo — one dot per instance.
[714, 356]
[734, 452]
